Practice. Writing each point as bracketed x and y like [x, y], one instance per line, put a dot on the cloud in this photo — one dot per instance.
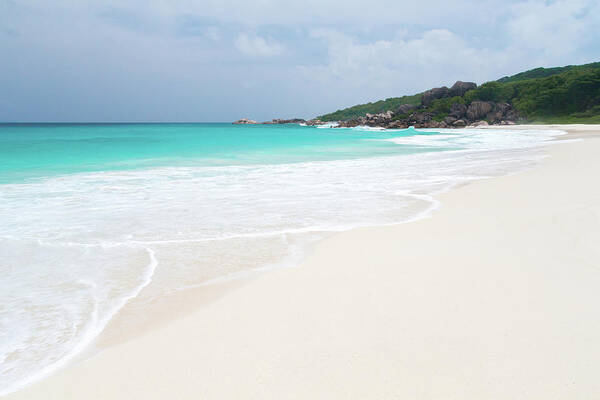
[534, 33]
[254, 45]
[212, 33]
[553, 29]
[436, 57]
[151, 59]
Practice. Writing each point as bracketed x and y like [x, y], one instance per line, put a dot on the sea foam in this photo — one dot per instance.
[77, 247]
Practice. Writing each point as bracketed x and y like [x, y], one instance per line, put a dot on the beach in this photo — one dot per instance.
[494, 296]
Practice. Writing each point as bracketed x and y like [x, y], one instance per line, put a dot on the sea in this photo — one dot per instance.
[97, 216]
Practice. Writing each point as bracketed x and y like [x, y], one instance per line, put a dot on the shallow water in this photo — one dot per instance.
[93, 216]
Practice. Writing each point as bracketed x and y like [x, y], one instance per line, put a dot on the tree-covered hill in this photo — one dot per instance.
[568, 94]
[546, 72]
[377, 107]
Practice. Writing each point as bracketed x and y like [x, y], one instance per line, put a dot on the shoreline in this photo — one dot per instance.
[186, 301]
[99, 367]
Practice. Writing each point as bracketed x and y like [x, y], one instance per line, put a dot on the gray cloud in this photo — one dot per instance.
[255, 45]
[218, 60]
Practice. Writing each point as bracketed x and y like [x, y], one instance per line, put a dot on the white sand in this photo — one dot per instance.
[495, 297]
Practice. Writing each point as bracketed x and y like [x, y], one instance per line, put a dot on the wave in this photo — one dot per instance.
[86, 244]
[328, 125]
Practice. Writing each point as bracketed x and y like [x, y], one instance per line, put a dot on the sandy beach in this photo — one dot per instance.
[493, 297]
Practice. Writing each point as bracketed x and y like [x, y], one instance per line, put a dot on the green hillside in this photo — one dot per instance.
[372, 108]
[569, 94]
[546, 72]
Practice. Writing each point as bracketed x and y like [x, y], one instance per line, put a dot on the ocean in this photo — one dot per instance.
[97, 216]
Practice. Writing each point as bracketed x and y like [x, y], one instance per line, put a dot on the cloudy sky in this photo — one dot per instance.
[219, 60]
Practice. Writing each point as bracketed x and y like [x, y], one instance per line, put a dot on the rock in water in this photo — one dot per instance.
[245, 121]
[280, 121]
[396, 125]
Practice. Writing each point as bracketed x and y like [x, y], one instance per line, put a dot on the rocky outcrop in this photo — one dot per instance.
[433, 94]
[314, 122]
[460, 88]
[498, 112]
[479, 109]
[511, 115]
[245, 121]
[477, 114]
[458, 110]
[420, 117]
[460, 114]
[278, 121]
[351, 123]
[449, 120]
[372, 119]
[381, 120]
[405, 109]
[397, 124]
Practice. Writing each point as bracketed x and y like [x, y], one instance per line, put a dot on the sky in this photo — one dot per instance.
[221, 60]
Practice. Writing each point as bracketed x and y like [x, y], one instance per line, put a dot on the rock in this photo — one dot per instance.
[460, 88]
[405, 109]
[494, 117]
[479, 123]
[512, 115]
[314, 122]
[498, 112]
[459, 124]
[507, 123]
[351, 123]
[385, 115]
[478, 109]
[285, 121]
[430, 124]
[502, 108]
[434, 94]
[458, 110]
[502, 112]
[245, 121]
[420, 117]
[380, 119]
[450, 120]
[396, 125]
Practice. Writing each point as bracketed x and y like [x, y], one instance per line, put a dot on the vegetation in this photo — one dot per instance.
[380, 106]
[568, 94]
[440, 108]
[546, 72]
[573, 94]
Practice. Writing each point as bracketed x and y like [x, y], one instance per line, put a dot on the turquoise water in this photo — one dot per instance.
[104, 219]
[38, 150]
